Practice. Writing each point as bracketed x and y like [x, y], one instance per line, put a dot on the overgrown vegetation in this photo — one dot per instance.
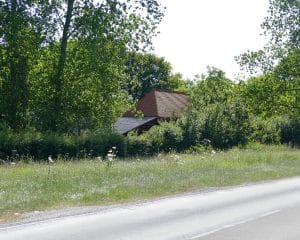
[68, 69]
[32, 186]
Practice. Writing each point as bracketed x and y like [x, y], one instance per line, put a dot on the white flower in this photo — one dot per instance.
[50, 159]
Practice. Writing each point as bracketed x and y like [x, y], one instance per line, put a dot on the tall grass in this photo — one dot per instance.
[33, 186]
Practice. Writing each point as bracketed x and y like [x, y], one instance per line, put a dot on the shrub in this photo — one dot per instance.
[99, 143]
[138, 145]
[40, 145]
[225, 125]
[165, 137]
[264, 131]
[290, 130]
[191, 124]
[282, 129]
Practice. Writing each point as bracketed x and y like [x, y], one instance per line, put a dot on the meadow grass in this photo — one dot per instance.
[32, 186]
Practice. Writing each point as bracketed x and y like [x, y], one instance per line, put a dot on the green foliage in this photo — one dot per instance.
[98, 144]
[40, 145]
[191, 124]
[165, 137]
[282, 129]
[221, 126]
[265, 131]
[290, 130]
[72, 72]
[273, 98]
[145, 72]
[212, 88]
[226, 125]
[277, 91]
[60, 62]
[216, 114]
[138, 145]
[21, 34]
[281, 26]
[268, 96]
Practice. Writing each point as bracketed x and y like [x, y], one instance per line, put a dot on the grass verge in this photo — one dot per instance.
[29, 187]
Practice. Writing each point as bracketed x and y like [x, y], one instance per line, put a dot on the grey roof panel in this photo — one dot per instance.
[127, 124]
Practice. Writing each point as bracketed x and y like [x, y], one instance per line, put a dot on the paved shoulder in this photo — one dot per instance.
[279, 225]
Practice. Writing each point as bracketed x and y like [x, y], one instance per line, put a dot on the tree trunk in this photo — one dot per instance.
[58, 76]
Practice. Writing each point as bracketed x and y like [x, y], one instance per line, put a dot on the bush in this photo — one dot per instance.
[40, 145]
[191, 124]
[98, 144]
[165, 137]
[290, 130]
[226, 125]
[138, 145]
[276, 130]
[265, 131]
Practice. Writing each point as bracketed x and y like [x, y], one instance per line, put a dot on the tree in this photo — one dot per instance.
[145, 72]
[36, 56]
[266, 96]
[277, 90]
[212, 88]
[128, 24]
[58, 72]
[22, 28]
[216, 114]
[282, 26]
[80, 71]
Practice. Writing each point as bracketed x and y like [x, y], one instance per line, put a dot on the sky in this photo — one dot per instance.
[199, 33]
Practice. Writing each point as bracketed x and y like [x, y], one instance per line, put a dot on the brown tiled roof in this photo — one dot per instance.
[161, 103]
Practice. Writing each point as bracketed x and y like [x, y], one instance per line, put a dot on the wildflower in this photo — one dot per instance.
[50, 160]
[111, 155]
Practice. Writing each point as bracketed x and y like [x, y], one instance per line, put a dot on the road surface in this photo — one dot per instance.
[269, 210]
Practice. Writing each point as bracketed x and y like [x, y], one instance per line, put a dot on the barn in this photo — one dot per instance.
[157, 105]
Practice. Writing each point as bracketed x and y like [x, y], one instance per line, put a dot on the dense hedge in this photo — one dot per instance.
[218, 126]
[40, 145]
[282, 129]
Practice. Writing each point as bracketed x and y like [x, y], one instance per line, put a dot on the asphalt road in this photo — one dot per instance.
[264, 211]
[283, 224]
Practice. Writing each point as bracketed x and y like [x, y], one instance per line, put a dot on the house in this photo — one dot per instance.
[157, 105]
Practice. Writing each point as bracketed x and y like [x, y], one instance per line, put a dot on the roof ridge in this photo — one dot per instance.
[168, 90]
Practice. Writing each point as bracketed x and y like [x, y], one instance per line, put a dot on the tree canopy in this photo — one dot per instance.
[61, 61]
[277, 89]
[145, 72]
[282, 27]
